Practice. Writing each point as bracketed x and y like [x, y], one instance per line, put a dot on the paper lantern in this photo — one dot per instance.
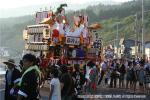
[31, 47]
[45, 47]
[46, 33]
[39, 47]
[26, 46]
[25, 35]
[35, 47]
[64, 21]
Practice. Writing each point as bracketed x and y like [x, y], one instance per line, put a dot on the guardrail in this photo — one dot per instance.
[2, 85]
[2, 91]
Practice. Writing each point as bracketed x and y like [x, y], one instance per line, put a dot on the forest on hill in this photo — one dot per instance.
[108, 15]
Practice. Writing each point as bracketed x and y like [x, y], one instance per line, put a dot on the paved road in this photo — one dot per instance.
[115, 93]
[105, 93]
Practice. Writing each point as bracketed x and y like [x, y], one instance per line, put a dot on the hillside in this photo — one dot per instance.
[107, 15]
[11, 31]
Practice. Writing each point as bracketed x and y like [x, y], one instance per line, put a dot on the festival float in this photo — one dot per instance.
[55, 41]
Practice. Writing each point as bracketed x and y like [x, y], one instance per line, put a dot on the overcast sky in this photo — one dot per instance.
[14, 8]
[6, 4]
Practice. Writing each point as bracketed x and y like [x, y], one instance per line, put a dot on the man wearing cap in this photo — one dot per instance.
[12, 77]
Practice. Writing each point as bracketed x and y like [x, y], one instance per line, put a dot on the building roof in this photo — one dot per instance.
[147, 44]
[129, 42]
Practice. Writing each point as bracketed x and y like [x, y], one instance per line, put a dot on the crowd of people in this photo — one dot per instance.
[67, 84]
[132, 75]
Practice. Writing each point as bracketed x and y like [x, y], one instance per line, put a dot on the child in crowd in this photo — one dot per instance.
[55, 88]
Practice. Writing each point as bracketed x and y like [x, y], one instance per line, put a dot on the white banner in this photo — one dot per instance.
[36, 47]
[73, 40]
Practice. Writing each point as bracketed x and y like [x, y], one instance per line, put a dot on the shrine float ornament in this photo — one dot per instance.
[53, 37]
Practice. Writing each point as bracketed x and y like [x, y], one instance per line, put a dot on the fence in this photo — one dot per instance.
[1, 94]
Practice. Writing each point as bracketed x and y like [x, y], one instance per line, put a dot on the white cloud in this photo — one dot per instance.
[6, 4]
[13, 8]
[121, 0]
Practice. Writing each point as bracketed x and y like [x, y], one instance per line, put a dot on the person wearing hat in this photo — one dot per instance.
[12, 77]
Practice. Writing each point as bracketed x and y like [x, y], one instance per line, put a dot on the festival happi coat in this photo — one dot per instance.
[53, 38]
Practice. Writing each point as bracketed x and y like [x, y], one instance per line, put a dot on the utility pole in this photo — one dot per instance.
[136, 36]
[117, 39]
[143, 35]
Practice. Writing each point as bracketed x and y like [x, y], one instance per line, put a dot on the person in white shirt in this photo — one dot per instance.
[103, 70]
[55, 88]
